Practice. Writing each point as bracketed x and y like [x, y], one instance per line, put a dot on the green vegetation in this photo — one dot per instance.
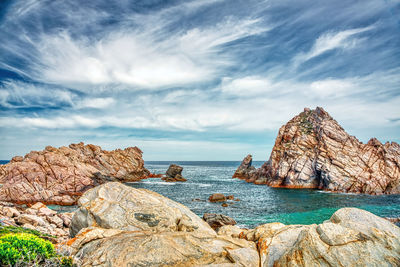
[25, 247]
[15, 230]
[306, 126]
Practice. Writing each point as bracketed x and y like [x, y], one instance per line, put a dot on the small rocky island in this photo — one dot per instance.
[313, 151]
[174, 174]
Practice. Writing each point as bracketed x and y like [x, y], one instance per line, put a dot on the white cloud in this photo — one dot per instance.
[329, 41]
[248, 86]
[98, 103]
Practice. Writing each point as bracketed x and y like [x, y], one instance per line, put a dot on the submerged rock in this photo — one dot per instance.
[218, 220]
[61, 175]
[313, 151]
[174, 174]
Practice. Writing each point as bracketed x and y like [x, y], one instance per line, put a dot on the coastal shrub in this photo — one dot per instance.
[15, 248]
[16, 229]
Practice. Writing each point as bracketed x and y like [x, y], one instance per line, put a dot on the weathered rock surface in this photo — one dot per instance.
[313, 151]
[37, 217]
[174, 174]
[218, 220]
[352, 237]
[107, 247]
[117, 206]
[123, 226]
[60, 175]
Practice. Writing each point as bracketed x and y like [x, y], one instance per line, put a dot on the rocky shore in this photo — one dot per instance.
[313, 151]
[61, 175]
[117, 225]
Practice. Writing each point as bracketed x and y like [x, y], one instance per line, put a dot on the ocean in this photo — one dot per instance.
[258, 204]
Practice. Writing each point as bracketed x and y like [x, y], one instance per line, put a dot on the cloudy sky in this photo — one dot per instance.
[193, 80]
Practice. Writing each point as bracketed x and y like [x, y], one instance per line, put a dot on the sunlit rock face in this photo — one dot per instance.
[313, 151]
[61, 175]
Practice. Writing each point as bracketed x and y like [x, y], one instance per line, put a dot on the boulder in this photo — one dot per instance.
[218, 220]
[111, 247]
[313, 151]
[61, 175]
[117, 206]
[352, 237]
[174, 174]
[230, 230]
[217, 197]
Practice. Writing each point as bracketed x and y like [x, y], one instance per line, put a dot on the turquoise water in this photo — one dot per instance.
[259, 203]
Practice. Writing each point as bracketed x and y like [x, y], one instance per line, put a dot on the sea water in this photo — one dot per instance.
[258, 203]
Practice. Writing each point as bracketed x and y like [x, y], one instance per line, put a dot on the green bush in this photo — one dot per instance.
[24, 247]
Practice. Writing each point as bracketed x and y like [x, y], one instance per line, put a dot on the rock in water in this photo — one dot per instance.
[245, 169]
[59, 175]
[218, 220]
[352, 237]
[217, 197]
[174, 174]
[313, 151]
[123, 226]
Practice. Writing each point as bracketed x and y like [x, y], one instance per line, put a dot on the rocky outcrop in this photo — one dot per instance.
[117, 225]
[117, 206]
[352, 237]
[313, 151]
[174, 174]
[61, 175]
[123, 226]
[218, 220]
[37, 217]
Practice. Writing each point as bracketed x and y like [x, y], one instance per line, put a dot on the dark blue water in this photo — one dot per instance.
[259, 203]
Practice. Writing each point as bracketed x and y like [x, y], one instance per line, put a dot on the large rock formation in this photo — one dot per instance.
[117, 206]
[313, 151]
[60, 175]
[122, 226]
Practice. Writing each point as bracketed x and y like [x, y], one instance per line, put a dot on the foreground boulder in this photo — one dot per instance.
[61, 175]
[117, 206]
[218, 220]
[352, 237]
[117, 225]
[174, 174]
[313, 151]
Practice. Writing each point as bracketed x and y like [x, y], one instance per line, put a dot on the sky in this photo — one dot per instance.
[193, 80]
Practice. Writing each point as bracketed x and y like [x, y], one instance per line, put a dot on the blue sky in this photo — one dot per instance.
[194, 80]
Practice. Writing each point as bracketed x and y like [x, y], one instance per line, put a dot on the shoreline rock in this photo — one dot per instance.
[119, 226]
[218, 220]
[313, 151]
[61, 175]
